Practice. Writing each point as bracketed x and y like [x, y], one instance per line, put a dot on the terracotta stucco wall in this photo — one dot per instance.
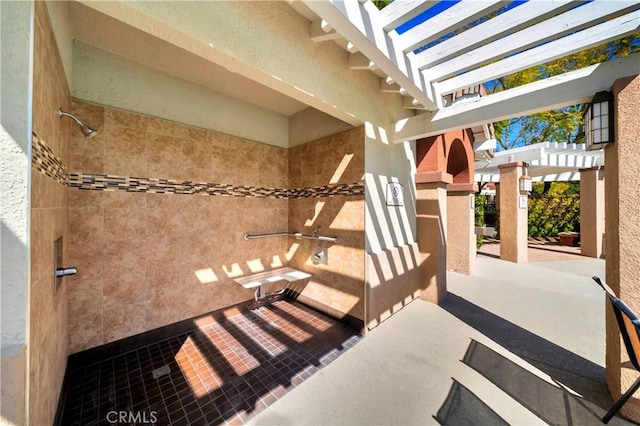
[49, 221]
[451, 153]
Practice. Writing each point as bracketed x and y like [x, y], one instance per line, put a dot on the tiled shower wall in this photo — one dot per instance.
[48, 341]
[150, 259]
[338, 287]
[164, 241]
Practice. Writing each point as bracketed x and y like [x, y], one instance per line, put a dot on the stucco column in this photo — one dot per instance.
[461, 237]
[513, 215]
[592, 212]
[431, 212]
[622, 245]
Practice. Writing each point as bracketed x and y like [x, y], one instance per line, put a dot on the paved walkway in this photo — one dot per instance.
[537, 251]
[514, 344]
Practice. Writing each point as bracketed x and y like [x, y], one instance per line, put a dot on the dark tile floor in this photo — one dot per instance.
[224, 372]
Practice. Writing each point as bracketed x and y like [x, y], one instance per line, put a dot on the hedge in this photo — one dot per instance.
[550, 214]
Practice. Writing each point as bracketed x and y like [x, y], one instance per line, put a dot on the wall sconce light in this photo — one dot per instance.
[525, 180]
[525, 184]
[598, 120]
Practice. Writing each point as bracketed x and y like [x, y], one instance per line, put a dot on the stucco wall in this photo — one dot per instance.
[61, 25]
[392, 252]
[622, 243]
[14, 161]
[103, 78]
[269, 43]
[16, 35]
[257, 38]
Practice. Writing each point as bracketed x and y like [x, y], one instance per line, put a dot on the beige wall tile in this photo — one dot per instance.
[86, 164]
[115, 118]
[124, 224]
[338, 286]
[123, 258]
[90, 114]
[87, 229]
[48, 340]
[226, 178]
[223, 159]
[165, 157]
[167, 128]
[81, 198]
[124, 200]
[125, 151]
[90, 148]
[126, 288]
[85, 330]
[153, 246]
[197, 154]
[123, 320]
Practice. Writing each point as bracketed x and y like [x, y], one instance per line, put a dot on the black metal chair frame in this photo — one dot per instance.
[621, 311]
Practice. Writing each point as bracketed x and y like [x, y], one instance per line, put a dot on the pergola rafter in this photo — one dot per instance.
[547, 161]
[473, 42]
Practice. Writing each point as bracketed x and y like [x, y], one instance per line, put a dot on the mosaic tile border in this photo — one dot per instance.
[104, 182]
[46, 162]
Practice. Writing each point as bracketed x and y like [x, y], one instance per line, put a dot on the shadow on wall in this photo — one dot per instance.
[395, 266]
[393, 271]
[338, 287]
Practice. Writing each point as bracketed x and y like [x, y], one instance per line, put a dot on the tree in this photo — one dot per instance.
[560, 125]
[381, 3]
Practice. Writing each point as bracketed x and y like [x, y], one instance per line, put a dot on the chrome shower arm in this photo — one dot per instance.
[66, 114]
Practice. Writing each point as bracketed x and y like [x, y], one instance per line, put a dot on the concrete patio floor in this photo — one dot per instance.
[513, 344]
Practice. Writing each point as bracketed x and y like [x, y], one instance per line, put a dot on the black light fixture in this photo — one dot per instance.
[598, 120]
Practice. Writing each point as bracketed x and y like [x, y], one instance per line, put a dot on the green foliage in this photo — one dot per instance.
[564, 188]
[381, 3]
[555, 188]
[550, 214]
[537, 188]
[479, 212]
[561, 125]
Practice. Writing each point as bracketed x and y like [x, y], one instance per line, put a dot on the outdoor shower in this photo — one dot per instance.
[87, 131]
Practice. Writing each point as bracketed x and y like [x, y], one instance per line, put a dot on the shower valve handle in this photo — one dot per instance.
[63, 272]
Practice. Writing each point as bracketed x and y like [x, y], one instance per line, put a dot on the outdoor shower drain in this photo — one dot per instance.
[162, 371]
[271, 326]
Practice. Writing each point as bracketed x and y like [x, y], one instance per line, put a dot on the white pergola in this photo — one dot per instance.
[547, 161]
[529, 34]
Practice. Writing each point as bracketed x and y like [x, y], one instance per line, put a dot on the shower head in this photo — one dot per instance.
[87, 131]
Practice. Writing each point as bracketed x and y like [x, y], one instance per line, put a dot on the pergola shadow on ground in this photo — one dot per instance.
[513, 344]
[537, 251]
